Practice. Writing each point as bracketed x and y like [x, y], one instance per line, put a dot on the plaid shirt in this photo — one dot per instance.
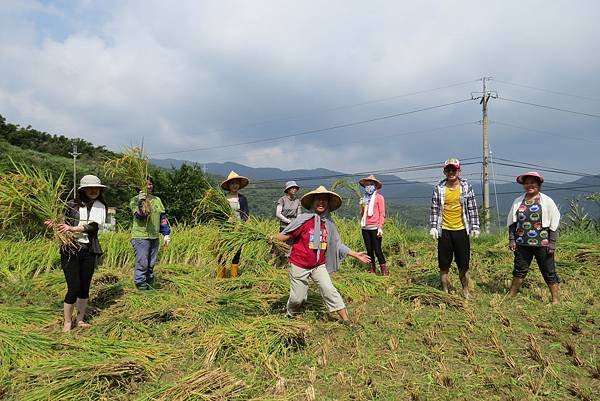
[467, 200]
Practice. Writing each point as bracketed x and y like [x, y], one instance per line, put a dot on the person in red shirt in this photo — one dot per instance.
[317, 250]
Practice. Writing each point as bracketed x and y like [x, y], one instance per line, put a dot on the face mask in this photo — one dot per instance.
[369, 189]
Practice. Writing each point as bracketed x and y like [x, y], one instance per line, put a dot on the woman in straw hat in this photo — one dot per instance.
[239, 205]
[84, 216]
[533, 222]
[372, 208]
[288, 206]
[317, 250]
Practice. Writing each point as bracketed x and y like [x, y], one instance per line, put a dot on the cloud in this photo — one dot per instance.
[201, 74]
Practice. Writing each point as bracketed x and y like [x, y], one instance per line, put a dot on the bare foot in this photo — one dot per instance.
[466, 294]
[83, 324]
[67, 326]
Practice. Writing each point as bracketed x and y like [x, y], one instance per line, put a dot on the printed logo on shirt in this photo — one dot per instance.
[544, 242]
[527, 225]
[537, 225]
[520, 232]
[522, 208]
[544, 234]
[323, 239]
[534, 208]
[520, 240]
[532, 234]
[532, 241]
[529, 202]
[534, 216]
[522, 217]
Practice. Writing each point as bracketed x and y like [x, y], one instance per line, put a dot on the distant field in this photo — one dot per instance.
[198, 338]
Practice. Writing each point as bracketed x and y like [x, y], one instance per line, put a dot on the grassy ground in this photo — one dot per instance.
[198, 338]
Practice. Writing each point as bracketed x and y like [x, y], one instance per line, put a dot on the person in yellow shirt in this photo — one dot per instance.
[454, 218]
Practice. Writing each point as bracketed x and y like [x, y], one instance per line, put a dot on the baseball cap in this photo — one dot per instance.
[452, 162]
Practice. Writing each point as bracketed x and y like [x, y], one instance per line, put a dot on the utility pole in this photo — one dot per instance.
[485, 96]
[74, 153]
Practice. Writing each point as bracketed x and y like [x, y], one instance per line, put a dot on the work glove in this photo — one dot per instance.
[142, 196]
[434, 233]
[166, 240]
[380, 232]
[475, 233]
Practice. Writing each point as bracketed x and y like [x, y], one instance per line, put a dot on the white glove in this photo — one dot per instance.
[166, 240]
[142, 195]
[380, 232]
[434, 233]
[475, 233]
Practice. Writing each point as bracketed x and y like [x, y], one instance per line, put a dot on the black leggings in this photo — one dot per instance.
[78, 268]
[373, 245]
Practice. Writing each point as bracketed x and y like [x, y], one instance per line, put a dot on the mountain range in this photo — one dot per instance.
[397, 191]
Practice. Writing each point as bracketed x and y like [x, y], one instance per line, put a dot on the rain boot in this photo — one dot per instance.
[234, 270]
[384, 270]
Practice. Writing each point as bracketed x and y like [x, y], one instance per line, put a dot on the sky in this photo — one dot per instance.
[191, 78]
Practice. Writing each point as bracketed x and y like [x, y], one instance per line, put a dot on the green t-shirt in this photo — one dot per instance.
[148, 227]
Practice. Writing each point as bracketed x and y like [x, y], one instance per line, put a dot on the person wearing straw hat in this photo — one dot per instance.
[239, 205]
[145, 233]
[288, 206]
[533, 222]
[454, 218]
[372, 207]
[316, 252]
[85, 216]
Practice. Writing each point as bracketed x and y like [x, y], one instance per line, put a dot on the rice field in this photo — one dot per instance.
[196, 337]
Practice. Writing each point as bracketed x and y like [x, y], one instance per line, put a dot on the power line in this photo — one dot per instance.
[548, 90]
[315, 131]
[544, 131]
[549, 169]
[550, 107]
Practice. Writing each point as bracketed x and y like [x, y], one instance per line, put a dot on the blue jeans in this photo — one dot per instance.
[146, 253]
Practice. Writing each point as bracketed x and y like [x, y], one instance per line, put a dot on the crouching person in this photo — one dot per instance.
[317, 250]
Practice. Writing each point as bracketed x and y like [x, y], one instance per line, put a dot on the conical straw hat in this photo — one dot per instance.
[335, 201]
[378, 183]
[234, 176]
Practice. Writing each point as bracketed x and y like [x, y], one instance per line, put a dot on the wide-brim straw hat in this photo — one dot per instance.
[363, 181]
[234, 176]
[291, 184]
[90, 181]
[335, 201]
[534, 174]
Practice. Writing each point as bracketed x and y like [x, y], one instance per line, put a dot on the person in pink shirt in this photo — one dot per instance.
[372, 208]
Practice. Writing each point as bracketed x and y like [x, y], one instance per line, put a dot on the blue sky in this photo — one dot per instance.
[189, 74]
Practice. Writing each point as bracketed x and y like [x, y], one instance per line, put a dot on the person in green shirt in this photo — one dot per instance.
[149, 221]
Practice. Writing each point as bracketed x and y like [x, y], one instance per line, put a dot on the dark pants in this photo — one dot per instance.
[523, 257]
[454, 245]
[373, 245]
[236, 257]
[78, 268]
[146, 253]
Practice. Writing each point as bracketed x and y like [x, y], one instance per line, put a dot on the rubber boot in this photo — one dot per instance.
[554, 292]
[384, 270]
[68, 316]
[220, 271]
[372, 268]
[234, 270]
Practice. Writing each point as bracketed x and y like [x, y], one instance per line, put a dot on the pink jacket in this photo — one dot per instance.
[378, 217]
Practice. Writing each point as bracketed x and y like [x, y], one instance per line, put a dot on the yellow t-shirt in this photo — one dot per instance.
[452, 214]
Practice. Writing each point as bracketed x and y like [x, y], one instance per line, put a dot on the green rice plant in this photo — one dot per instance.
[25, 315]
[358, 286]
[77, 378]
[248, 338]
[213, 206]
[118, 251]
[22, 259]
[130, 169]
[28, 198]
[251, 235]
[191, 246]
[18, 346]
[429, 296]
[352, 188]
[202, 384]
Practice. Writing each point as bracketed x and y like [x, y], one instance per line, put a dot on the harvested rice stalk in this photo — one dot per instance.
[28, 198]
[429, 295]
[131, 170]
[236, 234]
[77, 378]
[204, 384]
[213, 206]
